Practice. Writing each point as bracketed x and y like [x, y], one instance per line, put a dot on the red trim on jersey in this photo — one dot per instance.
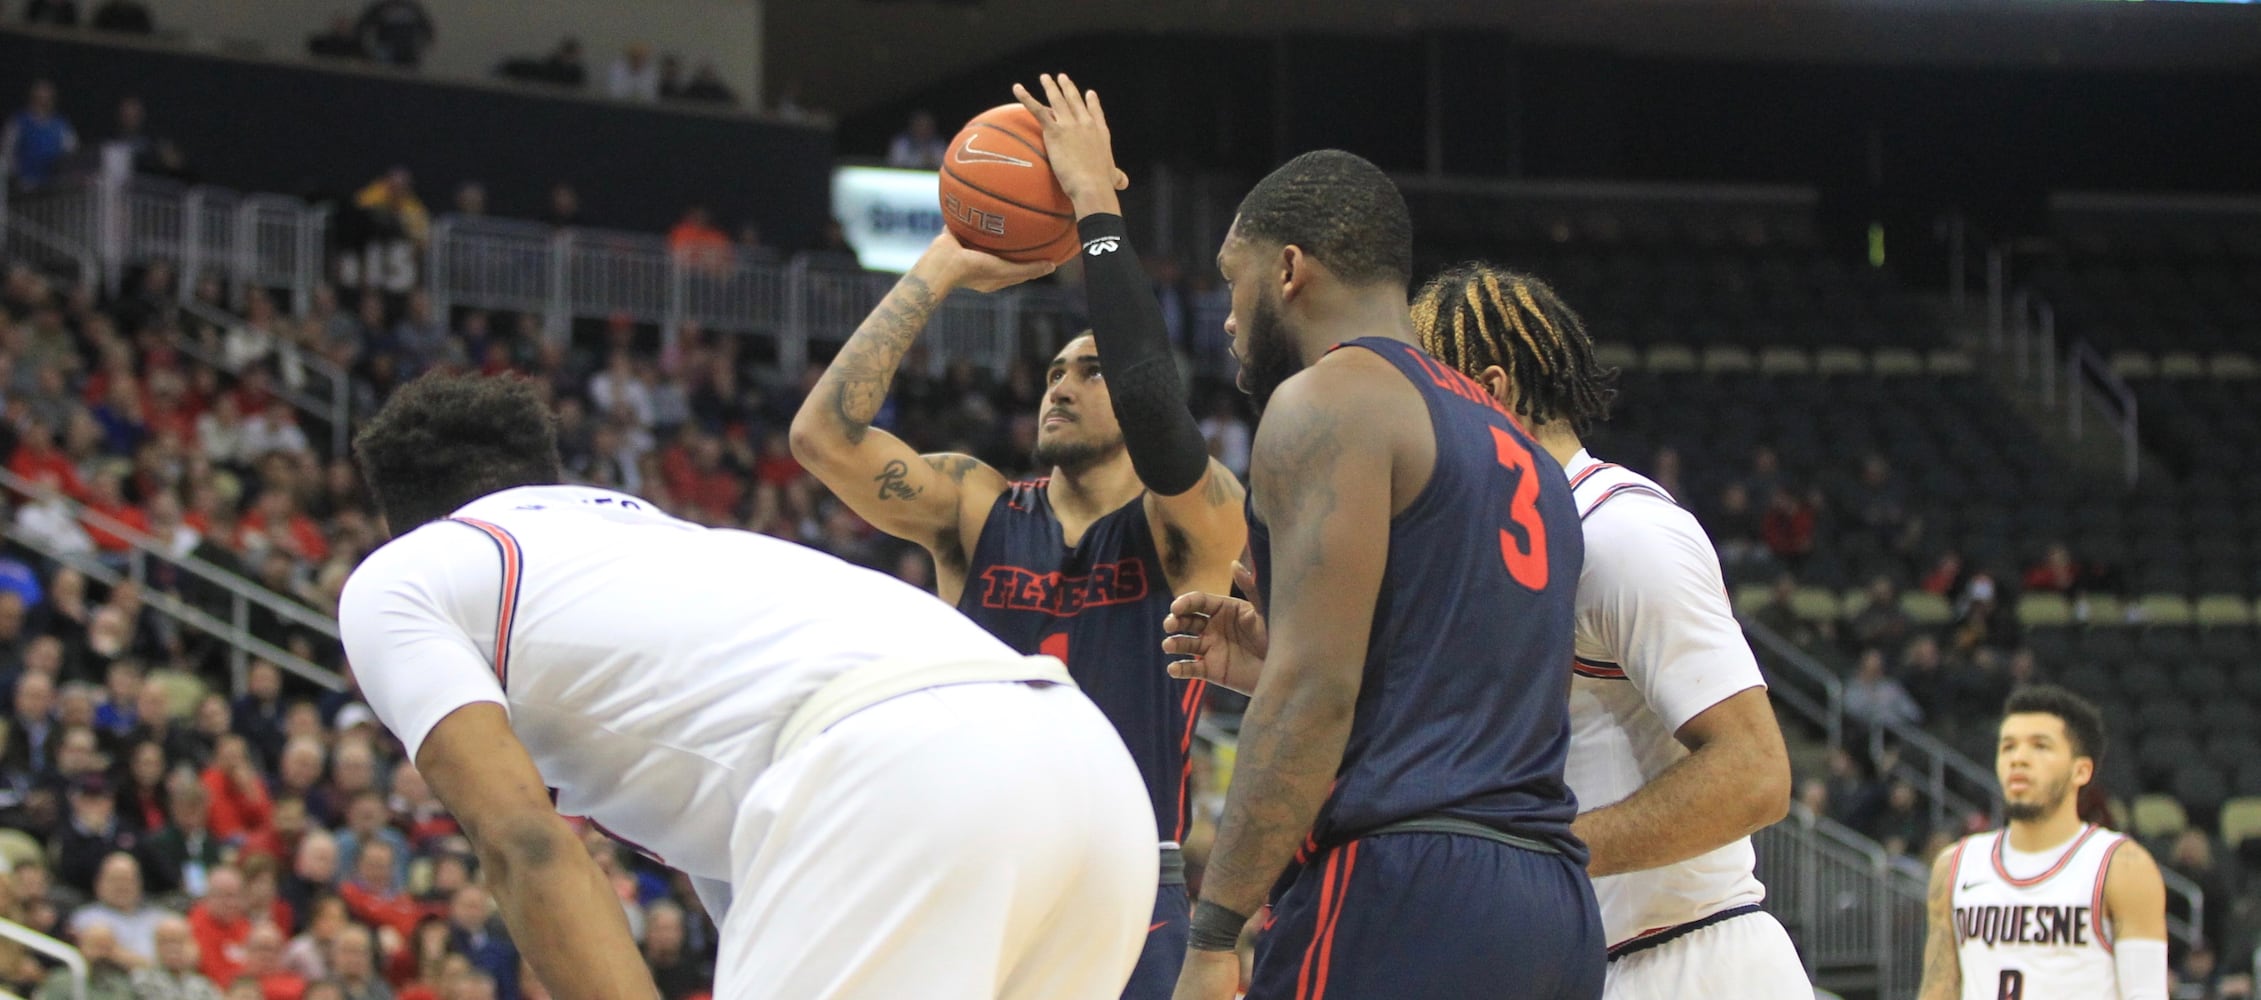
[1955, 868]
[1613, 491]
[2096, 898]
[513, 575]
[1590, 470]
[1193, 695]
[1598, 671]
[2062, 860]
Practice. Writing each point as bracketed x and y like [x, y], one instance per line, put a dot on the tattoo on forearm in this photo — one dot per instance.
[1288, 760]
[894, 482]
[866, 365]
[1290, 472]
[1942, 967]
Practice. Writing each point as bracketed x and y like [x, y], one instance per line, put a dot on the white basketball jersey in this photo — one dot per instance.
[2033, 927]
[647, 663]
[1657, 644]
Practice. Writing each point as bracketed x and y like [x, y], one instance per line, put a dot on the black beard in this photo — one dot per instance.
[2027, 812]
[1074, 456]
[1272, 358]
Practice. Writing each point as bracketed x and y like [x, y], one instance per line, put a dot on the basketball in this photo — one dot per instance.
[998, 194]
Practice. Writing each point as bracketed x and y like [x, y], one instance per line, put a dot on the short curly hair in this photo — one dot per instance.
[445, 440]
[1339, 208]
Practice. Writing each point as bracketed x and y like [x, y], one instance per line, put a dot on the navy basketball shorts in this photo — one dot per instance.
[1434, 916]
[1155, 976]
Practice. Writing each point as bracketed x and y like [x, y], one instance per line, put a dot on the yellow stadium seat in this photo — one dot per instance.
[1926, 608]
[2164, 609]
[2233, 364]
[1752, 596]
[2181, 364]
[1840, 361]
[1896, 361]
[2224, 609]
[1616, 355]
[2044, 610]
[1814, 604]
[1947, 361]
[2133, 364]
[1727, 359]
[1671, 358]
[2241, 819]
[2159, 816]
[1785, 361]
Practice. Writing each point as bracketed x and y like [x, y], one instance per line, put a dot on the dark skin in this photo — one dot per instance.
[1344, 446]
[942, 501]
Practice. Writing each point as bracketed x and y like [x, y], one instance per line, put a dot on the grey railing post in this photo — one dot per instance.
[239, 616]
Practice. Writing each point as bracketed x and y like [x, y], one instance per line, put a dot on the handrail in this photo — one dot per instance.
[2086, 375]
[335, 411]
[1939, 759]
[148, 547]
[2032, 327]
[57, 950]
[236, 632]
[15, 224]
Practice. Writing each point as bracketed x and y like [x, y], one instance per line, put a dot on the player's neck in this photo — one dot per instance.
[1336, 315]
[1559, 441]
[2034, 836]
[1093, 491]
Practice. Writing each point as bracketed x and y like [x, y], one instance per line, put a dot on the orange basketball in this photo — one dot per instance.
[998, 193]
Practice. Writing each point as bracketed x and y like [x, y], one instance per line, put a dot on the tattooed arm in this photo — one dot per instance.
[924, 499]
[1942, 965]
[1322, 481]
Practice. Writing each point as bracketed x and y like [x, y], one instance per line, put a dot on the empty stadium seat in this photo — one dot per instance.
[2158, 816]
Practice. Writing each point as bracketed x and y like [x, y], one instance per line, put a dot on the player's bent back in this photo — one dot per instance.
[703, 694]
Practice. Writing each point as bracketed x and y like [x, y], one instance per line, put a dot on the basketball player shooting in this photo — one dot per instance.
[875, 798]
[1082, 563]
[2048, 907]
[1399, 791]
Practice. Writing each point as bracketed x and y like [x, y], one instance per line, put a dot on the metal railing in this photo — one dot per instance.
[57, 950]
[2031, 340]
[1951, 783]
[310, 369]
[1858, 916]
[2088, 379]
[34, 242]
[243, 594]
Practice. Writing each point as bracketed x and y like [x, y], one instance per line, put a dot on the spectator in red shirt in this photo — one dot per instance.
[776, 464]
[263, 961]
[277, 516]
[240, 805]
[2056, 573]
[37, 458]
[697, 243]
[1788, 527]
[107, 499]
[221, 926]
[707, 490]
[373, 895]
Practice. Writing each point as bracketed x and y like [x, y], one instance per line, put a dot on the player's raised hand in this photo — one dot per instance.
[1077, 142]
[1217, 639]
[949, 264]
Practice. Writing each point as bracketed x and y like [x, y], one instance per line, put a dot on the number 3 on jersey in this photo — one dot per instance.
[1526, 558]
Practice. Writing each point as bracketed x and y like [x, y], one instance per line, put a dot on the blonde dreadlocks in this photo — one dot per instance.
[1477, 315]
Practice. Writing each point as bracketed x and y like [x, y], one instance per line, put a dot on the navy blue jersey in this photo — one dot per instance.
[1464, 707]
[1098, 607]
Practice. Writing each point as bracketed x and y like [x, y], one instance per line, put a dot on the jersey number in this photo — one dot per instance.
[2013, 986]
[1526, 559]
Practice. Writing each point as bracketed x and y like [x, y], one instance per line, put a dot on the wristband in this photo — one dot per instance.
[1214, 928]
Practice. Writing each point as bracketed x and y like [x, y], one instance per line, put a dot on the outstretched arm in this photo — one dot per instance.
[2135, 900]
[1195, 501]
[874, 472]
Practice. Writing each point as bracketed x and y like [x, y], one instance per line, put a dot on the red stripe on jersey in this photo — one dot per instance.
[2096, 897]
[513, 575]
[1590, 470]
[2062, 860]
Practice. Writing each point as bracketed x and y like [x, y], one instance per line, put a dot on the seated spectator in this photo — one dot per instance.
[396, 32]
[369, 822]
[260, 896]
[1881, 623]
[120, 906]
[353, 965]
[919, 146]
[185, 853]
[107, 976]
[115, 521]
[61, 13]
[1874, 698]
[38, 459]
[634, 76]
[561, 67]
[1905, 825]
[374, 895]
[706, 87]
[1946, 577]
[92, 833]
[128, 17]
[414, 807]
[142, 799]
[697, 242]
[339, 41]
[1788, 525]
[1924, 677]
[392, 203]
[32, 734]
[476, 933]
[257, 714]
[240, 805]
[263, 961]
[679, 974]
[308, 954]
[2056, 573]
[313, 872]
[174, 975]
[221, 925]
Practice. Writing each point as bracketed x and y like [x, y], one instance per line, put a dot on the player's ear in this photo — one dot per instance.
[1295, 269]
[1494, 379]
[2084, 771]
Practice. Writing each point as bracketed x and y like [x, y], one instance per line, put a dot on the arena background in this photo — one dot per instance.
[1944, 316]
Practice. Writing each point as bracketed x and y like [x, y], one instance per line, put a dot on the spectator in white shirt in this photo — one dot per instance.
[634, 76]
[118, 905]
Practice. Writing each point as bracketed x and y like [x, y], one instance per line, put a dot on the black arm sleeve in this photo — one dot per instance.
[1163, 439]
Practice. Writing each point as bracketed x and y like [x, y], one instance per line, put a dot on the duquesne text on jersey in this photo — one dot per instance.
[1025, 590]
[2023, 924]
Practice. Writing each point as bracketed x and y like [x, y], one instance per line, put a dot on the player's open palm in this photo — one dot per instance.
[1075, 136]
[963, 267]
[1217, 638]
